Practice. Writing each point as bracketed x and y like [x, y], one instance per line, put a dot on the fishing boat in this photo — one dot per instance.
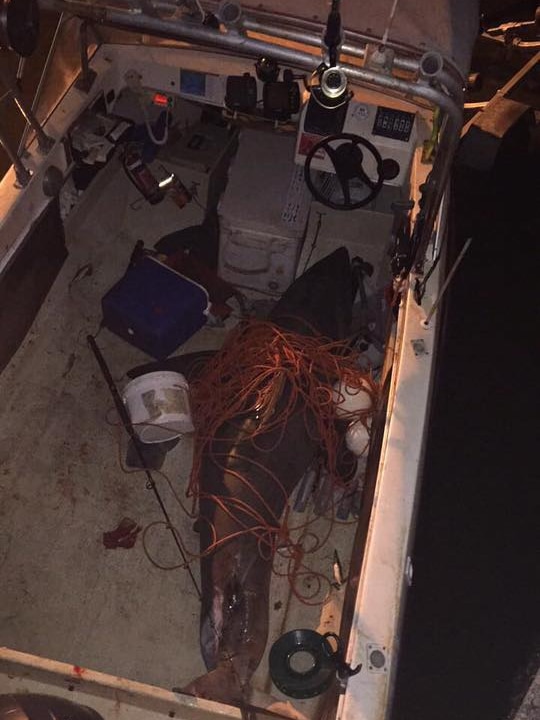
[270, 135]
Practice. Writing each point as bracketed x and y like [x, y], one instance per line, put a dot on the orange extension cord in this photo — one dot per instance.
[249, 376]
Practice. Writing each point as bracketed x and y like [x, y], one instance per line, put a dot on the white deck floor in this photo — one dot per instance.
[64, 595]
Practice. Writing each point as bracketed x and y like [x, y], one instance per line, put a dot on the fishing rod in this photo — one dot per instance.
[137, 444]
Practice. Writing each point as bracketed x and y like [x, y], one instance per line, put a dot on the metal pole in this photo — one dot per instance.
[45, 142]
[178, 29]
[446, 283]
[20, 72]
[128, 426]
[87, 76]
[22, 174]
[452, 84]
[354, 44]
[37, 94]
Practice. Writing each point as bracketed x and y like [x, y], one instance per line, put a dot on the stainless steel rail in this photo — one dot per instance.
[22, 174]
[37, 94]
[44, 141]
[430, 89]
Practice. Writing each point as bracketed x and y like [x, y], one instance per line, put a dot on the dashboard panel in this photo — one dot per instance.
[392, 131]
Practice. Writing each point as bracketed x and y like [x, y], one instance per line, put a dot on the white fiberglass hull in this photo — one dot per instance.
[385, 570]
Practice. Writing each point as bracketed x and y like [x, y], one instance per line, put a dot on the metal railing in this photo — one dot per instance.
[39, 88]
[429, 79]
[439, 87]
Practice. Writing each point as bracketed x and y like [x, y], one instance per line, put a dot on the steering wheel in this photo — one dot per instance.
[347, 160]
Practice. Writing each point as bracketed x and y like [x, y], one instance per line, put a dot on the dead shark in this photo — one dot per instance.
[235, 577]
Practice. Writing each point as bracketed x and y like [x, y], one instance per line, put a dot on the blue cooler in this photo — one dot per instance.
[155, 308]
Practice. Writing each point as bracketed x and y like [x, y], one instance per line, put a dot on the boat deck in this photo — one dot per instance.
[66, 596]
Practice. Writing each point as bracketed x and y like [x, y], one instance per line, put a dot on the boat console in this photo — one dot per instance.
[258, 145]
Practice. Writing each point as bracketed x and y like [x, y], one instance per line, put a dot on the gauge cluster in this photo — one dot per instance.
[392, 131]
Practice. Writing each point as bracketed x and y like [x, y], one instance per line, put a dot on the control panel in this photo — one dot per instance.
[264, 96]
[203, 87]
[392, 131]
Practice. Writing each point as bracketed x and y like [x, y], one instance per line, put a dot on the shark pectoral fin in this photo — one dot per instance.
[220, 684]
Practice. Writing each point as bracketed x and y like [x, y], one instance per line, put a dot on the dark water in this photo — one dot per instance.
[472, 626]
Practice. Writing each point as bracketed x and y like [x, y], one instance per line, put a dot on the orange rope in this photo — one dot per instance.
[267, 373]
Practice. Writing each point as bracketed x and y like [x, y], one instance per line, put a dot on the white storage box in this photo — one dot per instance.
[263, 214]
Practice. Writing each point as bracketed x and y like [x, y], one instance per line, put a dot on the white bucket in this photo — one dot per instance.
[158, 405]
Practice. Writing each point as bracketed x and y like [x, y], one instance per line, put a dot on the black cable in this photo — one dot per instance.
[315, 239]
[124, 417]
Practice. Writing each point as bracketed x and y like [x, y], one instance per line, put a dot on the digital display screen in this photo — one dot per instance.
[394, 124]
[193, 83]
